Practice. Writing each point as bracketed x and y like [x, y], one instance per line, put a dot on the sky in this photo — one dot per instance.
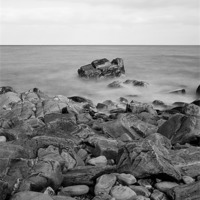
[100, 22]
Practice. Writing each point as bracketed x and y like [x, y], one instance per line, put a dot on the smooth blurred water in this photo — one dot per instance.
[53, 69]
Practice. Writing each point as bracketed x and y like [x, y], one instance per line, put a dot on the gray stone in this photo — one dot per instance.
[164, 186]
[98, 161]
[127, 179]
[104, 184]
[122, 193]
[140, 190]
[75, 190]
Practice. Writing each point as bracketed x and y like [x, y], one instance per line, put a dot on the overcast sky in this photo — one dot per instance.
[100, 22]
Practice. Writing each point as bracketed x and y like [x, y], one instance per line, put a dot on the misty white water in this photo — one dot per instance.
[53, 69]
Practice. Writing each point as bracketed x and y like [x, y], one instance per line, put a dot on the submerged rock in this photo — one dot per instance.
[102, 68]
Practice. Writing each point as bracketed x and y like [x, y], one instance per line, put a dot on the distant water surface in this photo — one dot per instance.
[53, 69]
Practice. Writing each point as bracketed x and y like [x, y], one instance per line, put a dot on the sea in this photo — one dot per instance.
[53, 69]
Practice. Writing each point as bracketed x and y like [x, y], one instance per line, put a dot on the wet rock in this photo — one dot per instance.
[159, 104]
[140, 190]
[2, 139]
[181, 129]
[122, 193]
[102, 68]
[101, 106]
[189, 191]
[86, 174]
[127, 179]
[75, 190]
[179, 91]
[104, 184]
[115, 84]
[198, 91]
[98, 161]
[196, 102]
[188, 179]
[148, 157]
[5, 89]
[164, 186]
[137, 107]
[136, 83]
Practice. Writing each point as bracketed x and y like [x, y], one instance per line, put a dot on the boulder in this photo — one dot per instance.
[5, 89]
[104, 184]
[181, 129]
[189, 191]
[148, 157]
[130, 124]
[102, 68]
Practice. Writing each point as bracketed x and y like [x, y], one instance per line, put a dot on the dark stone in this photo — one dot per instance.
[198, 91]
[180, 91]
[5, 89]
[115, 84]
[136, 83]
[4, 191]
[101, 106]
[196, 102]
[181, 129]
[102, 68]
[184, 192]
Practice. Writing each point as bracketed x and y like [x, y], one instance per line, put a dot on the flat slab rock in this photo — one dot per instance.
[102, 68]
[185, 192]
[153, 156]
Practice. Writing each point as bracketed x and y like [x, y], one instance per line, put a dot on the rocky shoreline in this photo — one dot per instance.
[67, 148]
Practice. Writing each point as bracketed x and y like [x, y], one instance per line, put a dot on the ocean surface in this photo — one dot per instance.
[53, 69]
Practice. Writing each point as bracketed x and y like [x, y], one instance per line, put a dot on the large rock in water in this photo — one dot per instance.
[102, 68]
